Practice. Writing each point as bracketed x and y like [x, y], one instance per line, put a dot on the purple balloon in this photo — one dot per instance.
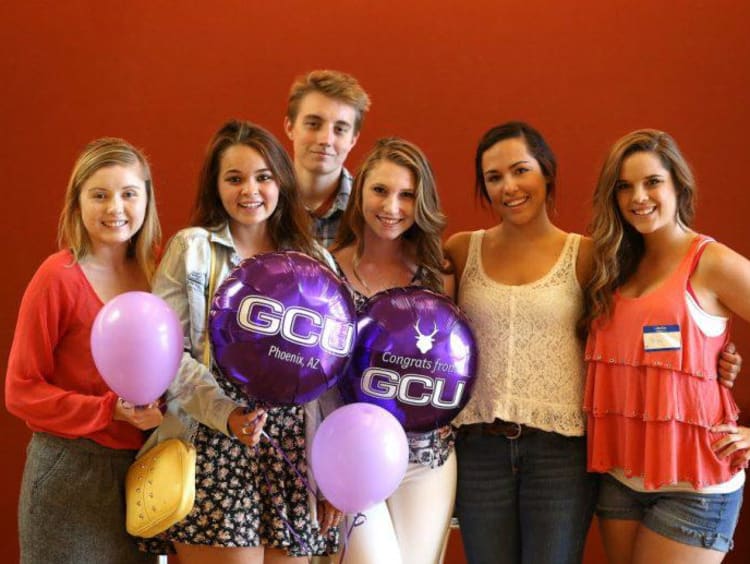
[283, 326]
[415, 357]
[359, 456]
[137, 342]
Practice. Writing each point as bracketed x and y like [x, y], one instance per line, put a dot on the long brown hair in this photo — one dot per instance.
[289, 224]
[618, 247]
[429, 220]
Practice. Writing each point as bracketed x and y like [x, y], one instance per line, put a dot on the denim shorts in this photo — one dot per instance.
[702, 520]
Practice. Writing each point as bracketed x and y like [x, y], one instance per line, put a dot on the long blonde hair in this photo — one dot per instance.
[618, 247]
[429, 220]
[71, 233]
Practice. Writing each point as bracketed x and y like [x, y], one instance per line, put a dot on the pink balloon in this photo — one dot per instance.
[137, 342]
[359, 456]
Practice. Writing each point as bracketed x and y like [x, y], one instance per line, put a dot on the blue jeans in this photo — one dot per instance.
[524, 500]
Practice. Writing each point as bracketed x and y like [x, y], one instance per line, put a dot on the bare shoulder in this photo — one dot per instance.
[719, 260]
[457, 250]
[724, 274]
[585, 261]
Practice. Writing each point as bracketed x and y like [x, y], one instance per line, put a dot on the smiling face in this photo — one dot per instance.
[247, 188]
[322, 134]
[514, 181]
[388, 197]
[113, 203]
[646, 194]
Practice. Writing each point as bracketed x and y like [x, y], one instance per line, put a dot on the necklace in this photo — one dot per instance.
[381, 279]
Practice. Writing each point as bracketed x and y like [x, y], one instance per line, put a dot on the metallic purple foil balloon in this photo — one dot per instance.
[137, 344]
[283, 326]
[415, 357]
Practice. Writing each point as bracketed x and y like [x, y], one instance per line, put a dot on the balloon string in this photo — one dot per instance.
[304, 481]
[280, 511]
[283, 454]
[359, 519]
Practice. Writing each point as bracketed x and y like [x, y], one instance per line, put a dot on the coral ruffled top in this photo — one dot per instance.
[652, 391]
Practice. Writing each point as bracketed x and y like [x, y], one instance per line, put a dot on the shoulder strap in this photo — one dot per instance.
[211, 288]
[700, 247]
[474, 252]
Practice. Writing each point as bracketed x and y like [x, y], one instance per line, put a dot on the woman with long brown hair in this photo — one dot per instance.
[660, 428]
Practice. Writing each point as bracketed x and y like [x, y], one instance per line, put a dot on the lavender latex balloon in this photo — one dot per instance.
[359, 456]
[137, 344]
[415, 357]
[283, 327]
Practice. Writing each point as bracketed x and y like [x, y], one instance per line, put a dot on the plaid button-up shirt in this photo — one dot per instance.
[326, 227]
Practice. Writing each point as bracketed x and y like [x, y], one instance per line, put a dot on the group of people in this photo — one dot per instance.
[640, 403]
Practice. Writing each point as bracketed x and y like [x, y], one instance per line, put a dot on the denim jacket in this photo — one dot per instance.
[195, 396]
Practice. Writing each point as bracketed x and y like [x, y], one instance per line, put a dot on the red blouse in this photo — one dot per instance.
[52, 382]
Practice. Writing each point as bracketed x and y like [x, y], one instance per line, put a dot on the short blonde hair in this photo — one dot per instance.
[334, 84]
[71, 233]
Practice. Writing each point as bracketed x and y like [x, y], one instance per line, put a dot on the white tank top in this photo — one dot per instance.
[531, 368]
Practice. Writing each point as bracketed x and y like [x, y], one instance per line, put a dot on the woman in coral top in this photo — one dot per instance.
[659, 425]
[72, 507]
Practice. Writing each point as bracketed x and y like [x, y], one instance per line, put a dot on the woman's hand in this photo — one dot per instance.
[328, 516]
[735, 444]
[141, 417]
[247, 426]
[730, 363]
[444, 432]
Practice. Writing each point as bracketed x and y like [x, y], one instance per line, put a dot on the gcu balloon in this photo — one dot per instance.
[283, 326]
[415, 357]
[359, 456]
[137, 344]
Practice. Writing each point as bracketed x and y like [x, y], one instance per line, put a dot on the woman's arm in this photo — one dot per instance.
[33, 390]
[721, 282]
[457, 251]
[194, 386]
[449, 286]
[585, 262]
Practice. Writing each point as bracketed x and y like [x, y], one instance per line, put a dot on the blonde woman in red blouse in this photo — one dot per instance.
[71, 507]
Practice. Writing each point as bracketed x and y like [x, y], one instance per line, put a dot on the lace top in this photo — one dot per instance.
[531, 367]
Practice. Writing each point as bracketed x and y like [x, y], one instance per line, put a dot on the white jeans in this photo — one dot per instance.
[411, 526]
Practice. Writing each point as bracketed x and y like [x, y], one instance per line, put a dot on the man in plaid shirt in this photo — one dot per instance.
[323, 120]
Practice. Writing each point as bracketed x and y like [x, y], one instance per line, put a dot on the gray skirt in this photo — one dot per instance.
[72, 506]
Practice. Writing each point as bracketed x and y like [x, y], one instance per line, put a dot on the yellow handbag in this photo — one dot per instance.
[160, 488]
[160, 484]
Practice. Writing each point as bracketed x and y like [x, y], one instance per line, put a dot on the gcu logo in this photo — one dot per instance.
[411, 389]
[269, 317]
[425, 342]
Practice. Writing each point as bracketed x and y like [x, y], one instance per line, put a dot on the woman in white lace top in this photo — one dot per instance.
[523, 491]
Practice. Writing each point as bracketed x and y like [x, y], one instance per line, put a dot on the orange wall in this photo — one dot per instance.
[164, 75]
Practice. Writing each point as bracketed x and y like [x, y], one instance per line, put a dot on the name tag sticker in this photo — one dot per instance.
[661, 338]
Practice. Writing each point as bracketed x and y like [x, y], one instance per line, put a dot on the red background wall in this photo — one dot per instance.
[165, 75]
